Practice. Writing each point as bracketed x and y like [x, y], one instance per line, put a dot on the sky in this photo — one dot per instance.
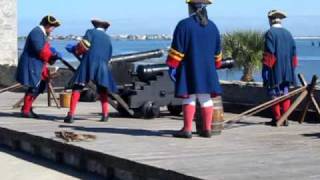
[161, 17]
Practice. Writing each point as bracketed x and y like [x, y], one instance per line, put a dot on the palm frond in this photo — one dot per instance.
[246, 47]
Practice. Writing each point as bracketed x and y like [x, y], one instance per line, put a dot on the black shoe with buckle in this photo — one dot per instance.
[206, 134]
[273, 122]
[183, 134]
[27, 115]
[104, 118]
[30, 114]
[69, 119]
[34, 114]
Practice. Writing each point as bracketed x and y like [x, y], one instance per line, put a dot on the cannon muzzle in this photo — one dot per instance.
[150, 71]
[227, 63]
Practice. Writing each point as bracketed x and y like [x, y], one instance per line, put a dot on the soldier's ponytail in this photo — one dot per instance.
[201, 12]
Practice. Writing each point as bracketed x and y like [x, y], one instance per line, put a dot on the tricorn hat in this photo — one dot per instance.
[100, 23]
[199, 1]
[50, 21]
[276, 14]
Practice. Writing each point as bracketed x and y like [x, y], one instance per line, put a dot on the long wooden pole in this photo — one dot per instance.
[292, 108]
[50, 89]
[315, 104]
[266, 105]
[18, 104]
[305, 110]
[15, 86]
[298, 101]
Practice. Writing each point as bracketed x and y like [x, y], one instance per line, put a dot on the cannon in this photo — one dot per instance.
[143, 89]
[150, 89]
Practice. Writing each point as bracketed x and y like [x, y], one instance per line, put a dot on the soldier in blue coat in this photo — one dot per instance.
[194, 56]
[279, 63]
[32, 70]
[94, 52]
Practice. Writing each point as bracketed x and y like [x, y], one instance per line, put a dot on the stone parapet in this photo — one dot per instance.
[8, 32]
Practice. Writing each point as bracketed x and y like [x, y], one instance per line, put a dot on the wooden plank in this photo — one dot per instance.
[51, 91]
[121, 103]
[302, 80]
[315, 104]
[305, 110]
[15, 86]
[266, 105]
[18, 104]
[297, 102]
[311, 89]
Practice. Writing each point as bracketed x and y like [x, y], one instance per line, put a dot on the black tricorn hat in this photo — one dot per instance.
[100, 23]
[199, 1]
[276, 14]
[50, 21]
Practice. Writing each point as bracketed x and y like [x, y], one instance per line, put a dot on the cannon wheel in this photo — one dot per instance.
[174, 110]
[148, 110]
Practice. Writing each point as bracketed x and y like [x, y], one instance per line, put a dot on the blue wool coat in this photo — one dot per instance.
[93, 66]
[194, 52]
[30, 64]
[280, 58]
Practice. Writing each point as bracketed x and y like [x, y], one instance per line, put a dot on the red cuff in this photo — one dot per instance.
[214, 95]
[295, 61]
[269, 59]
[171, 62]
[81, 49]
[45, 53]
[218, 64]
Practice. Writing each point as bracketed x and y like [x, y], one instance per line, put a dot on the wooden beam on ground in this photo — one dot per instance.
[315, 104]
[15, 86]
[51, 91]
[299, 100]
[18, 104]
[266, 105]
[305, 110]
[311, 99]
[302, 80]
[121, 103]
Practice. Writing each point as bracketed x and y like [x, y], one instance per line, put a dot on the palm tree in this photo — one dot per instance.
[246, 47]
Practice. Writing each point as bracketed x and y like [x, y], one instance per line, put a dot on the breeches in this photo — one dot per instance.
[204, 100]
[35, 91]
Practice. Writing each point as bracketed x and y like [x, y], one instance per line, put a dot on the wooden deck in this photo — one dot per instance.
[250, 150]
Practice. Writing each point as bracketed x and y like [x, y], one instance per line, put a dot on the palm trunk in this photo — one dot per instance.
[247, 74]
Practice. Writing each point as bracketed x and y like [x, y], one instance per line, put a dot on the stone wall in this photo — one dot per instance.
[8, 32]
[240, 96]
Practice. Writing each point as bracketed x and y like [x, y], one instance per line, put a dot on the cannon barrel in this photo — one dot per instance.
[151, 71]
[134, 57]
[227, 63]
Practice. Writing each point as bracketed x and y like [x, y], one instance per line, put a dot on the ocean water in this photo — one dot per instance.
[308, 52]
